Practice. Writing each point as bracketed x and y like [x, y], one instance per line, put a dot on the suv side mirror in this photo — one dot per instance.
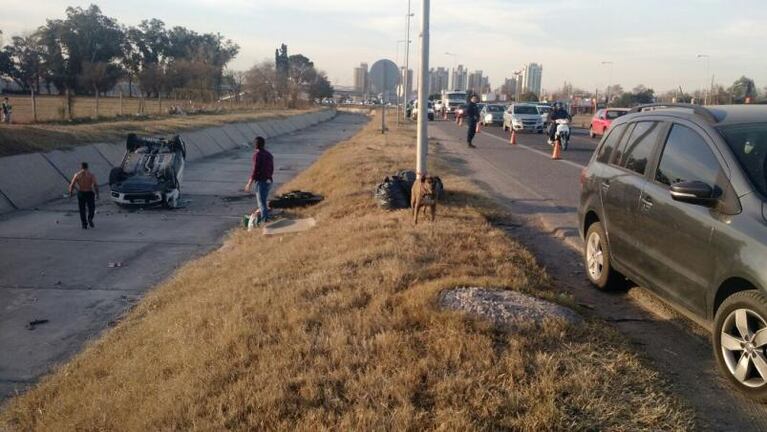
[693, 192]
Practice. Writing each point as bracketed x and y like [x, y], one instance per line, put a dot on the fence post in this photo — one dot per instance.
[121, 103]
[159, 103]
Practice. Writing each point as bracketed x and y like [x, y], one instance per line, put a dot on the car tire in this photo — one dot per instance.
[596, 254]
[591, 133]
[731, 348]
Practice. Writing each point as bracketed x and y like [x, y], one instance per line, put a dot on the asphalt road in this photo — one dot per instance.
[542, 195]
[82, 281]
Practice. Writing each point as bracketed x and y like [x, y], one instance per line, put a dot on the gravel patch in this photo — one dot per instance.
[503, 307]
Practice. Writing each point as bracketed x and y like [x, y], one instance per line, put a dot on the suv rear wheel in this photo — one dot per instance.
[597, 258]
[740, 342]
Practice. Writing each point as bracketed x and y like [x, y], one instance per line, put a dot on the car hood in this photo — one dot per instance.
[526, 116]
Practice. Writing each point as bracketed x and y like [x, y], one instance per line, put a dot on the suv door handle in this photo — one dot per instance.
[646, 203]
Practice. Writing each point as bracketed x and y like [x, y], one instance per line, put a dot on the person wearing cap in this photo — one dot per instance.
[87, 194]
[263, 170]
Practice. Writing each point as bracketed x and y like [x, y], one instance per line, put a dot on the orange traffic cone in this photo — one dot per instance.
[557, 150]
[478, 130]
[513, 139]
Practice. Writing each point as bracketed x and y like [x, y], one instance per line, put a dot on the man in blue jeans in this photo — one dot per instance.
[263, 169]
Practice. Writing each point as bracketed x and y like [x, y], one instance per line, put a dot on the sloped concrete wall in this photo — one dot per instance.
[32, 179]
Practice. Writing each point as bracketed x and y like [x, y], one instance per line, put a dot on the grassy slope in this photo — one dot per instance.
[17, 139]
[337, 329]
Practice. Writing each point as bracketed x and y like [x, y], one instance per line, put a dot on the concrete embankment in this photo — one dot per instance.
[29, 180]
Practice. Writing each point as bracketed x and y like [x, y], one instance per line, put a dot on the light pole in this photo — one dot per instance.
[455, 63]
[610, 82]
[708, 66]
[407, 61]
[423, 131]
[517, 85]
[396, 59]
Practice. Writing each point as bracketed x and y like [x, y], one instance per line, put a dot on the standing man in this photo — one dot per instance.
[7, 110]
[263, 169]
[472, 117]
[87, 193]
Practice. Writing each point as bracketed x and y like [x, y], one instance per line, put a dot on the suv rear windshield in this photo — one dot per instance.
[525, 109]
[749, 144]
[494, 108]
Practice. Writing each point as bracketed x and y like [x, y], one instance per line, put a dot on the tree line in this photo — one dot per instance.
[88, 53]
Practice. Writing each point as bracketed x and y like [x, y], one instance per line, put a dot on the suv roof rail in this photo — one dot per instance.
[697, 109]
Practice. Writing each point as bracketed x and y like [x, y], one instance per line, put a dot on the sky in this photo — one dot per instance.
[651, 42]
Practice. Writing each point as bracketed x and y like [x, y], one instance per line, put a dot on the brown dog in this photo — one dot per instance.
[423, 195]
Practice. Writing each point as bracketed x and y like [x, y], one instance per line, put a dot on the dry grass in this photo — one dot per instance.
[16, 138]
[337, 329]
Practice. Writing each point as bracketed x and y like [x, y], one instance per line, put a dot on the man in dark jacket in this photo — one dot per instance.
[471, 112]
[263, 169]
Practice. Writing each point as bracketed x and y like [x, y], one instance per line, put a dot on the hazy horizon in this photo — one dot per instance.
[655, 43]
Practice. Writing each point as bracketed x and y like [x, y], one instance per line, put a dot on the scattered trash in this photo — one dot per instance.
[115, 265]
[295, 198]
[34, 323]
[394, 192]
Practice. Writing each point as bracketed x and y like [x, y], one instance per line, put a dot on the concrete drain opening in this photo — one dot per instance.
[503, 307]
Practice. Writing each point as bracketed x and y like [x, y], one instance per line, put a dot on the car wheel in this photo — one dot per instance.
[591, 133]
[740, 342]
[597, 258]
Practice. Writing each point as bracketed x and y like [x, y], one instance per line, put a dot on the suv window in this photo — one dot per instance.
[687, 157]
[639, 146]
[610, 142]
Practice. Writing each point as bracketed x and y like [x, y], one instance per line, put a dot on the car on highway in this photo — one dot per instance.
[603, 119]
[429, 110]
[522, 117]
[675, 199]
[150, 173]
[491, 114]
[544, 110]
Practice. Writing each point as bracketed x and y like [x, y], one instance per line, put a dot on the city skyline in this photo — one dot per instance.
[644, 47]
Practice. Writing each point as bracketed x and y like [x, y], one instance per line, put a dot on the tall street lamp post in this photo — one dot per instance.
[422, 136]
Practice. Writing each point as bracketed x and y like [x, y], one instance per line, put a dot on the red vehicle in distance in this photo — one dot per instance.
[603, 119]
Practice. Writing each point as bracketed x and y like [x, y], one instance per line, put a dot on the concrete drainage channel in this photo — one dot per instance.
[61, 286]
[52, 171]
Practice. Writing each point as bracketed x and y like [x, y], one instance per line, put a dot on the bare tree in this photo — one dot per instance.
[261, 82]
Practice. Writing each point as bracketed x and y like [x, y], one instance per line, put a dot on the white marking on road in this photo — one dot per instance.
[542, 153]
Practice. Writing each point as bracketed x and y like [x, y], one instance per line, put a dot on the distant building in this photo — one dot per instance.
[409, 91]
[361, 79]
[384, 79]
[478, 83]
[460, 78]
[532, 78]
[439, 79]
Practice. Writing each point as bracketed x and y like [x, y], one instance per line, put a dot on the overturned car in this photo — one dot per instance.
[150, 173]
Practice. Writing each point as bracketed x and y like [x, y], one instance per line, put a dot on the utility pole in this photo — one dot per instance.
[407, 62]
[609, 83]
[423, 84]
[708, 66]
[396, 59]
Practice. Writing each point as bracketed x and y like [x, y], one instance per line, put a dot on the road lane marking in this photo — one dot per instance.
[542, 153]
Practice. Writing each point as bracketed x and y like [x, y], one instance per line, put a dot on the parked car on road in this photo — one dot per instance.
[603, 119]
[491, 114]
[675, 199]
[150, 173]
[430, 111]
[522, 117]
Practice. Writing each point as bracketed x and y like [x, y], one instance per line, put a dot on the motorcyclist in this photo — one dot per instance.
[558, 113]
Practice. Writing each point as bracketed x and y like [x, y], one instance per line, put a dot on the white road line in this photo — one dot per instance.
[542, 153]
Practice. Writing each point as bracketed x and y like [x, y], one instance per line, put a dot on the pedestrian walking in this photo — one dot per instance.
[263, 170]
[6, 110]
[87, 194]
[472, 117]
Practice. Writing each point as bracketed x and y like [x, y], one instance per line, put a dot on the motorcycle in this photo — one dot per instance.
[562, 133]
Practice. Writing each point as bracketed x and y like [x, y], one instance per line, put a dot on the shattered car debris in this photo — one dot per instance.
[150, 173]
